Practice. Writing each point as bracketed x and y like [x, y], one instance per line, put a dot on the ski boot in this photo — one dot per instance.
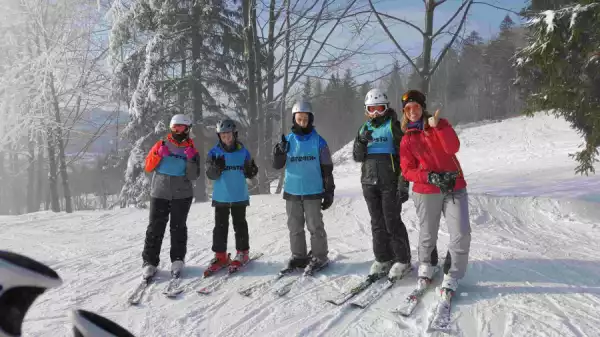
[448, 287]
[176, 268]
[220, 261]
[241, 258]
[148, 271]
[315, 265]
[425, 275]
[398, 270]
[379, 269]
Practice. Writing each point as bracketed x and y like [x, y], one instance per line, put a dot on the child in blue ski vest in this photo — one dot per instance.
[228, 164]
[308, 187]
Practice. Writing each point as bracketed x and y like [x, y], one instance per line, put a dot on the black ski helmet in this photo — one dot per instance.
[227, 125]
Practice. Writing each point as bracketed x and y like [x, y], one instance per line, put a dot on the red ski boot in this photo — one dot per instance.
[220, 261]
[241, 258]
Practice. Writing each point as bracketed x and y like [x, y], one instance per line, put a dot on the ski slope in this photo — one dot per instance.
[534, 270]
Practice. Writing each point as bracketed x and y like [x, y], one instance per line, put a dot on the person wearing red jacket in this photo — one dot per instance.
[428, 159]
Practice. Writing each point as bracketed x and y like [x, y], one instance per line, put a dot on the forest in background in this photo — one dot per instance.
[87, 96]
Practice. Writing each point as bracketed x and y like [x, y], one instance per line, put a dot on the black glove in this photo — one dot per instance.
[282, 147]
[219, 162]
[365, 136]
[402, 193]
[327, 200]
[250, 169]
[445, 180]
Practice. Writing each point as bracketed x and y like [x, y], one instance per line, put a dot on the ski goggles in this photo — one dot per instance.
[412, 106]
[376, 110]
[179, 128]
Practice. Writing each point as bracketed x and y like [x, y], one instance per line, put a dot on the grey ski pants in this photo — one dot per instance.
[309, 212]
[455, 208]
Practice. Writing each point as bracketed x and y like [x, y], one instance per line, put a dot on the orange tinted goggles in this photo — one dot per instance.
[376, 109]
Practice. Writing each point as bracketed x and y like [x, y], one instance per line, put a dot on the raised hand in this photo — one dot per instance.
[433, 121]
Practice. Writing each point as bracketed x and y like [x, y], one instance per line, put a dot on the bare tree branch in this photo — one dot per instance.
[403, 21]
[449, 44]
[387, 31]
[435, 4]
[295, 78]
[443, 27]
[497, 7]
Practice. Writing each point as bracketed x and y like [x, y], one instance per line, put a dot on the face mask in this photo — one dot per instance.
[179, 137]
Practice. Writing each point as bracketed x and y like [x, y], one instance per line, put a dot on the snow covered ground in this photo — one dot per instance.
[534, 270]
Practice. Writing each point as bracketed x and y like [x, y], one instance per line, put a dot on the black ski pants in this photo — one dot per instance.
[390, 238]
[160, 209]
[240, 226]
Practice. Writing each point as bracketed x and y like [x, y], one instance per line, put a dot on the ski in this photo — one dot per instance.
[414, 297]
[346, 295]
[136, 296]
[218, 282]
[376, 291]
[441, 315]
[173, 289]
[281, 274]
[307, 274]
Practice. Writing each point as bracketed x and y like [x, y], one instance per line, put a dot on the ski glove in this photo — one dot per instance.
[190, 152]
[327, 200]
[402, 193]
[250, 169]
[282, 147]
[163, 150]
[219, 162]
[445, 180]
[365, 136]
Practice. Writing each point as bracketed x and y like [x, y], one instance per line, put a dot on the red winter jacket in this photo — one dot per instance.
[432, 150]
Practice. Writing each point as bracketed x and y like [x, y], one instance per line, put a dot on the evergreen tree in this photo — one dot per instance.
[171, 57]
[560, 71]
[395, 87]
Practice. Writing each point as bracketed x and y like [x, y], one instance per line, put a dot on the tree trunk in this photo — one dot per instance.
[61, 147]
[270, 106]
[3, 182]
[425, 72]
[200, 189]
[249, 38]
[182, 92]
[286, 69]
[262, 136]
[52, 171]
[15, 189]
[31, 207]
[41, 176]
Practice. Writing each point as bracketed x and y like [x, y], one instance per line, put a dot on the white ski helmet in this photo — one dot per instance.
[180, 119]
[302, 106]
[376, 97]
[89, 324]
[22, 279]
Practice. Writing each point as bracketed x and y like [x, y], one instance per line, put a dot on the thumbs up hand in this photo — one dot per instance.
[283, 146]
[433, 121]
